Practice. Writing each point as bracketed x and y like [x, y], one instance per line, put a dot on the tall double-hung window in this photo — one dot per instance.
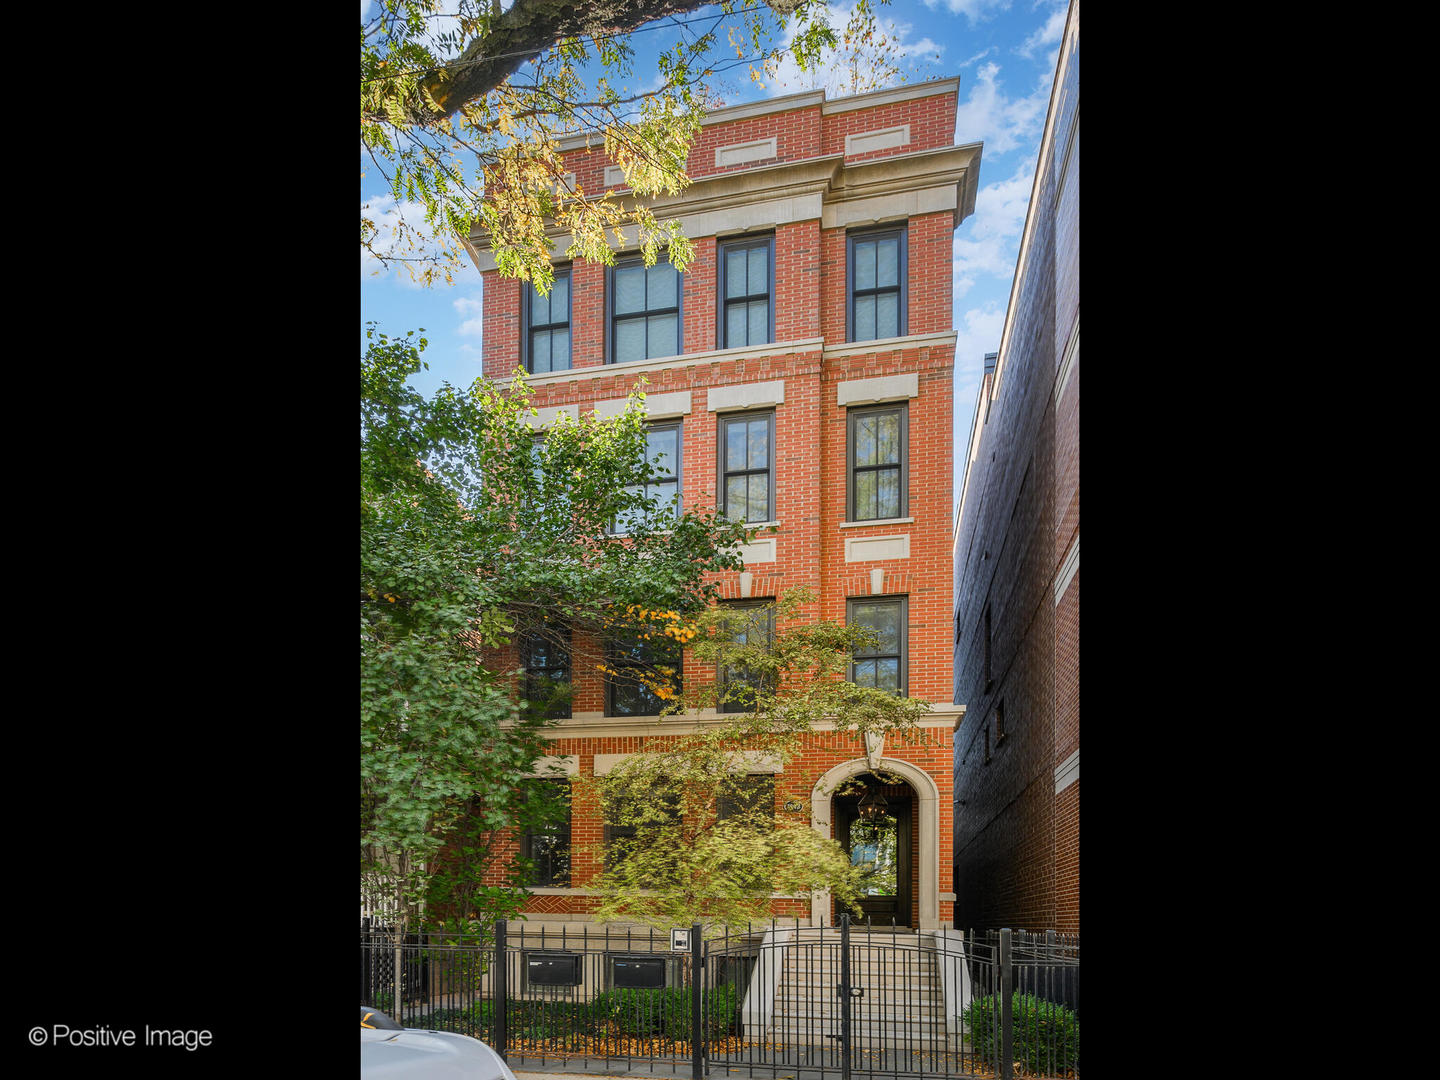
[547, 327]
[747, 315]
[740, 683]
[644, 310]
[642, 668]
[876, 300]
[746, 453]
[884, 664]
[662, 461]
[878, 474]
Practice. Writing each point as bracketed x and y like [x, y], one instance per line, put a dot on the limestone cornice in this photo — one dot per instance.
[713, 356]
[825, 187]
[942, 715]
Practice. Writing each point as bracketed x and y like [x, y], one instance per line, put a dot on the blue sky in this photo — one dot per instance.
[1004, 52]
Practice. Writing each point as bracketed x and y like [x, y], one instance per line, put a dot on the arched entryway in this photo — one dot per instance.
[924, 806]
[875, 825]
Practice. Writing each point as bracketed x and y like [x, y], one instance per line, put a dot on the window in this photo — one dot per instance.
[545, 656]
[748, 795]
[548, 846]
[633, 659]
[882, 665]
[747, 462]
[644, 305]
[621, 828]
[745, 313]
[552, 969]
[739, 682]
[879, 473]
[876, 270]
[547, 327]
[662, 455]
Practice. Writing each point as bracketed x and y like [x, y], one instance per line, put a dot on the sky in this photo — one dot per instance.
[1004, 52]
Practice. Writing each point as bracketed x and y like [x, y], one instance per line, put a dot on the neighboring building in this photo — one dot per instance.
[818, 307]
[1017, 570]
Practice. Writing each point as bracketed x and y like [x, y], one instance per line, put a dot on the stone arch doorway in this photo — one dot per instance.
[925, 808]
[874, 824]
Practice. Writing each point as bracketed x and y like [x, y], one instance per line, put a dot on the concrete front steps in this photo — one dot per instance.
[902, 1006]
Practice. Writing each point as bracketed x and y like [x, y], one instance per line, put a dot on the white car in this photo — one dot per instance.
[391, 1052]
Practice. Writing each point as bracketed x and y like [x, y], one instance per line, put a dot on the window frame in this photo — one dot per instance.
[678, 424]
[727, 806]
[721, 456]
[611, 317]
[902, 288]
[614, 659]
[722, 673]
[561, 712]
[566, 829]
[903, 603]
[851, 417]
[610, 832]
[722, 324]
[528, 329]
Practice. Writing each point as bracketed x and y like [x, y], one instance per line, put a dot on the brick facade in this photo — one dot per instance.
[810, 357]
[1017, 811]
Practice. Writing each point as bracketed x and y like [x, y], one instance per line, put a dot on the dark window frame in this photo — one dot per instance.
[610, 832]
[851, 417]
[902, 288]
[903, 602]
[611, 317]
[552, 880]
[615, 659]
[679, 465]
[529, 329]
[722, 455]
[728, 806]
[560, 711]
[722, 303]
[724, 675]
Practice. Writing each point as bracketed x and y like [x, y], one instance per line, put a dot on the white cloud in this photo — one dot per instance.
[1002, 123]
[401, 231]
[991, 242]
[974, 10]
[1049, 34]
[832, 74]
[471, 309]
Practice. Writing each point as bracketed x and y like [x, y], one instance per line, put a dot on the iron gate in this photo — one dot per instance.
[785, 999]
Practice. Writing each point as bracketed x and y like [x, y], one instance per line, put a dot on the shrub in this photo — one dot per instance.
[643, 1013]
[1045, 1035]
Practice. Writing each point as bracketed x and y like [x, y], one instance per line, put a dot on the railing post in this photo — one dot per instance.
[844, 991]
[501, 994]
[1007, 1034]
[365, 980]
[697, 1027]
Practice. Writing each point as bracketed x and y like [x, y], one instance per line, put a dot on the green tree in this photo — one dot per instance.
[440, 94]
[475, 533]
[694, 839]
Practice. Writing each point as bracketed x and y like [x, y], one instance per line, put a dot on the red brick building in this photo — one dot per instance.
[813, 333]
[1017, 570]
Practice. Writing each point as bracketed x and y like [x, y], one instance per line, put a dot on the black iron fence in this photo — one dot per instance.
[775, 1000]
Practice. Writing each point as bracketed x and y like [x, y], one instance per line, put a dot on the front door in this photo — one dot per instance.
[880, 845]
